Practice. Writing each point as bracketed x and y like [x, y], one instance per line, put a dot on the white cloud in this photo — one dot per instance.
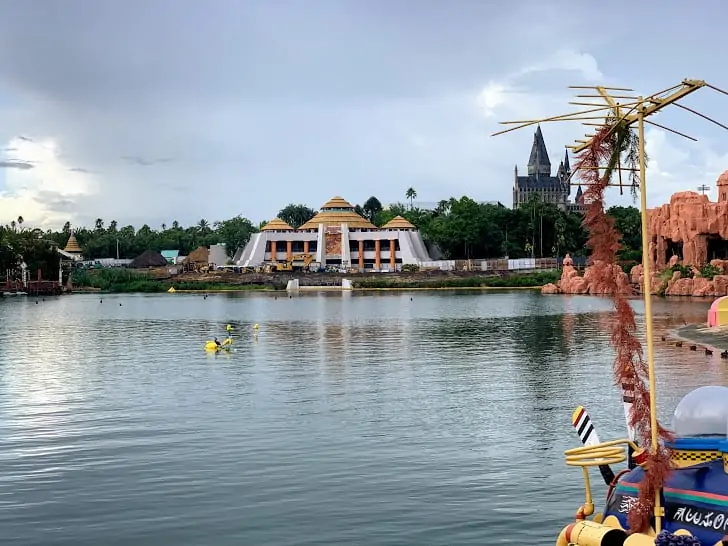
[493, 95]
[565, 59]
[45, 194]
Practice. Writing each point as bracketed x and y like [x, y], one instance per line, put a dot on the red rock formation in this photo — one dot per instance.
[689, 220]
[680, 232]
[572, 283]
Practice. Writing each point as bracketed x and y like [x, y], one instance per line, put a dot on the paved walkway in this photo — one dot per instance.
[700, 334]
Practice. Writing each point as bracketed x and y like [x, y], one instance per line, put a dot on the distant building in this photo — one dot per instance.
[337, 236]
[539, 181]
[170, 255]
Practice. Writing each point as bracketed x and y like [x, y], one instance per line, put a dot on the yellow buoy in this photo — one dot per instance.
[255, 326]
[211, 346]
[171, 290]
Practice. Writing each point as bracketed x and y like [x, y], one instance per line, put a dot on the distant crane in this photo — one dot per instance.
[703, 188]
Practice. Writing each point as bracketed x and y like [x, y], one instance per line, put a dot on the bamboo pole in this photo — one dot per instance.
[648, 301]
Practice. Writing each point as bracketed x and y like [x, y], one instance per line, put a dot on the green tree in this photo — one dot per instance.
[296, 215]
[235, 233]
[628, 222]
[410, 194]
[371, 208]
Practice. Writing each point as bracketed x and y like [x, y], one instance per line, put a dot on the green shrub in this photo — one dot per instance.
[709, 271]
[686, 272]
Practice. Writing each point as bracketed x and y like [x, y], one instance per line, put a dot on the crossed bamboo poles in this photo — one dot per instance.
[613, 115]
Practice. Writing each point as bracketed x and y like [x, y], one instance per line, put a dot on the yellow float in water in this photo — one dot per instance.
[226, 345]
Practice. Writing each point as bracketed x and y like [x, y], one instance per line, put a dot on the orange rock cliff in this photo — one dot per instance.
[691, 231]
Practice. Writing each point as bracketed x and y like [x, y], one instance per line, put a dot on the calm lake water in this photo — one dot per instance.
[351, 419]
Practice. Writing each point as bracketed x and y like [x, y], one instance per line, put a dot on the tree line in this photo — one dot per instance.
[460, 228]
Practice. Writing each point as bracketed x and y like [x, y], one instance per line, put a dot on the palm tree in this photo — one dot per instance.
[164, 226]
[67, 228]
[20, 220]
[443, 207]
[99, 224]
[411, 194]
[203, 225]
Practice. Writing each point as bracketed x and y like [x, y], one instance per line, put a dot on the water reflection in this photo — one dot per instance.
[382, 418]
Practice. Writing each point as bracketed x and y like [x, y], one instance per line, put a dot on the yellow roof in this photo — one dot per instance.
[337, 211]
[398, 222]
[72, 245]
[276, 225]
[337, 203]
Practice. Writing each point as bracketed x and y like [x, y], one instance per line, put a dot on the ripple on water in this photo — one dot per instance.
[350, 419]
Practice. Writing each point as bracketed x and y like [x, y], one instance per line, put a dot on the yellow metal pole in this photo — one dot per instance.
[648, 300]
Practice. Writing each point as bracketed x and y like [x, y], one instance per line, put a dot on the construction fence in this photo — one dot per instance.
[522, 264]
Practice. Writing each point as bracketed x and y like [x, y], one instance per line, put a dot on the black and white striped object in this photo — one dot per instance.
[584, 427]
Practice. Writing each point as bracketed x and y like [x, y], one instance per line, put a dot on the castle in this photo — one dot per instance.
[539, 182]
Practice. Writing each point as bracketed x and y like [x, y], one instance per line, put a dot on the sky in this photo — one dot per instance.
[150, 111]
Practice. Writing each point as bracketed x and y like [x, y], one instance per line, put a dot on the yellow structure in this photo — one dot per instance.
[337, 211]
[336, 237]
[72, 246]
[718, 312]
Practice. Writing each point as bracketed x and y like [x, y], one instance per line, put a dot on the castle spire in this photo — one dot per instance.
[567, 167]
[538, 162]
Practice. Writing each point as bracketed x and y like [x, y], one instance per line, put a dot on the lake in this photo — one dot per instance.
[382, 418]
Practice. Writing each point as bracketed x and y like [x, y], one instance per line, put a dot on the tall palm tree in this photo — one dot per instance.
[411, 194]
[203, 225]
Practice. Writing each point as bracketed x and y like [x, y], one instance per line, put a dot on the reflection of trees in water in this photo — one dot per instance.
[543, 346]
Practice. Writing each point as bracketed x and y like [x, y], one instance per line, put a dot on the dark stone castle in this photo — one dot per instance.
[539, 183]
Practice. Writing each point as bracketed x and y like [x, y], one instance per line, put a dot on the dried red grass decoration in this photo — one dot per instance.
[630, 367]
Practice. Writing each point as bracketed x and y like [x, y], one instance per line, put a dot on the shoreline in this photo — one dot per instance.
[126, 281]
[355, 289]
[702, 336]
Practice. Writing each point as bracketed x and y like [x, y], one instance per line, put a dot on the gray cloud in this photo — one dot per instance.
[55, 201]
[261, 103]
[13, 164]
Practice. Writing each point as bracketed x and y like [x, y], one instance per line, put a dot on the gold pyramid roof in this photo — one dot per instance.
[276, 225]
[337, 211]
[399, 222]
[72, 245]
[337, 203]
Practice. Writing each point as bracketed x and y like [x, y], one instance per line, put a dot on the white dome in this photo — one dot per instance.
[702, 412]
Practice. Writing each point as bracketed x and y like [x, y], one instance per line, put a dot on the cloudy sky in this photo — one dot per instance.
[149, 111]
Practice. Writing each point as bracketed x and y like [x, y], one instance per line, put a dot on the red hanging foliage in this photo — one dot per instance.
[630, 367]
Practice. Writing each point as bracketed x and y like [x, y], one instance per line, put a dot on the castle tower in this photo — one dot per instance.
[539, 163]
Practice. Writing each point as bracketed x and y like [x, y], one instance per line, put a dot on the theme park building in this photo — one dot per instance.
[337, 236]
[690, 227]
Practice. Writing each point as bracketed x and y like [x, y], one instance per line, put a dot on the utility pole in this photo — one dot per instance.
[117, 249]
[540, 230]
[703, 188]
